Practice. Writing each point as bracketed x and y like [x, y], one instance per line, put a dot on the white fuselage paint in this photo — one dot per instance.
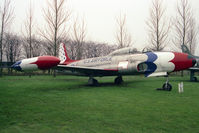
[127, 64]
[163, 61]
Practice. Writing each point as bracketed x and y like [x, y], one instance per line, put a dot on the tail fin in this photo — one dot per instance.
[63, 56]
[185, 49]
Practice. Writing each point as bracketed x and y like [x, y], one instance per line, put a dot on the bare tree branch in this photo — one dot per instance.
[158, 26]
[28, 34]
[79, 35]
[56, 16]
[12, 47]
[6, 15]
[185, 26]
[123, 38]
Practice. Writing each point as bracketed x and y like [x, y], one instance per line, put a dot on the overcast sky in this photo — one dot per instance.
[100, 16]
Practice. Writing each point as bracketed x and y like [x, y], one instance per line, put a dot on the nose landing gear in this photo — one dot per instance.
[166, 86]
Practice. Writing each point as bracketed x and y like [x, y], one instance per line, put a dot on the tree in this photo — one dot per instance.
[90, 49]
[123, 38]
[192, 36]
[71, 48]
[28, 34]
[56, 16]
[37, 49]
[12, 47]
[185, 26]
[158, 26]
[79, 35]
[96, 49]
[185, 34]
[6, 15]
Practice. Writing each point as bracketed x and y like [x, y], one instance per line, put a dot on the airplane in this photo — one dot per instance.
[118, 63]
[195, 68]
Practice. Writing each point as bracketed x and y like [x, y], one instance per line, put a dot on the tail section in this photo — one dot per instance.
[63, 56]
[185, 49]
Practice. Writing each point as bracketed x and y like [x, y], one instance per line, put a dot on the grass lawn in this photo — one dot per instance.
[43, 104]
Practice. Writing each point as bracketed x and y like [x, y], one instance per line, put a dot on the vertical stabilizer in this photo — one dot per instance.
[63, 56]
[185, 49]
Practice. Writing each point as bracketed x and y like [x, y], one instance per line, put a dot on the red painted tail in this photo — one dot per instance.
[63, 56]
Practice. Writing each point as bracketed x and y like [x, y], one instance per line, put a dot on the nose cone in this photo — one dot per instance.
[46, 62]
[183, 61]
[16, 66]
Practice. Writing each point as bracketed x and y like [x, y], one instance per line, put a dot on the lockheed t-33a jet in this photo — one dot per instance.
[118, 63]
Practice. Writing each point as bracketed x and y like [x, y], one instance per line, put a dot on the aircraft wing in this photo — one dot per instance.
[86, 71]
[194, 68]
[158, 74]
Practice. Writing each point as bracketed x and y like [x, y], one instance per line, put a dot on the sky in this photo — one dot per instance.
[100, 16]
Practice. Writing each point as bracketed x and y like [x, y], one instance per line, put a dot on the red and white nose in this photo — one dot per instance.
[183, 61]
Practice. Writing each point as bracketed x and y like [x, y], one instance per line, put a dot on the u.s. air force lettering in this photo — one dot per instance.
[96, 60]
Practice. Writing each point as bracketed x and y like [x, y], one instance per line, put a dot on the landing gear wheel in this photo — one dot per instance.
[194, 79]
[167, 87]
[118, 80]
[93, 82]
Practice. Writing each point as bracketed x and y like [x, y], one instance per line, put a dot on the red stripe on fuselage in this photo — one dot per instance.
[110, 69]
[68, 62]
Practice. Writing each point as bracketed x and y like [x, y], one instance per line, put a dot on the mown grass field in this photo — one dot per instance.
[43, 104]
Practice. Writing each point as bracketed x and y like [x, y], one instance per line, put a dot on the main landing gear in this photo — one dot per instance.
[93, 82]
[192, 77]
[166, 86]
[118, 80]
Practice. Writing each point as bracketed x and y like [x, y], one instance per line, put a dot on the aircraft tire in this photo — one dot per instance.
[118, 80]
[93, 82]
[167, 87]
[194, 79]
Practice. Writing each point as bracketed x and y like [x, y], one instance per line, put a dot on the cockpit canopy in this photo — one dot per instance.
[124, 51]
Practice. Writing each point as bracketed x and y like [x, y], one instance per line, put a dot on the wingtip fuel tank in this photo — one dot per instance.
[36, 63]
